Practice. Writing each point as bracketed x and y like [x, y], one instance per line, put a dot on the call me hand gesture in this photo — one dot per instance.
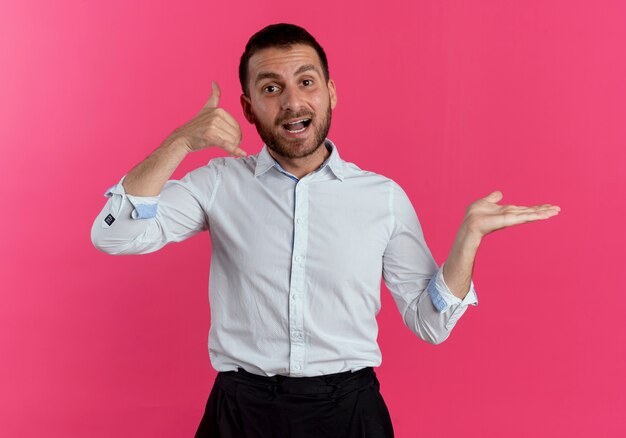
[212, 126]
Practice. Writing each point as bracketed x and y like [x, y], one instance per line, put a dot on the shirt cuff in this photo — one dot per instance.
[443, 298]
[144, 207]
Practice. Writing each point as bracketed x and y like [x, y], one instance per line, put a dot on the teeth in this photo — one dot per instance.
[297, 121]
[304, 121]
[298, 131]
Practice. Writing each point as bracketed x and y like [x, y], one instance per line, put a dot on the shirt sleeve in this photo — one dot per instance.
[140, 224]
[416, 283]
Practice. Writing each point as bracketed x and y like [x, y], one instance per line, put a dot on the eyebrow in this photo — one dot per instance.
[270, 75]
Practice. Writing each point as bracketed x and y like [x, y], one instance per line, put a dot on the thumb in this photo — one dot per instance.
[214, 100]
[494, 197]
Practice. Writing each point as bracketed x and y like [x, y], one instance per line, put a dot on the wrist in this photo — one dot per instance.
[468, 237]
[178, 143]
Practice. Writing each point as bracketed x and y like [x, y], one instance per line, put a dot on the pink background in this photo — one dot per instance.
[451, 99]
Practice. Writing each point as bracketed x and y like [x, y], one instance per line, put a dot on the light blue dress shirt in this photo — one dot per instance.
[296, 264]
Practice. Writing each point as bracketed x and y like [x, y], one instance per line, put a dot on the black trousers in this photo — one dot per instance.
[343, 405]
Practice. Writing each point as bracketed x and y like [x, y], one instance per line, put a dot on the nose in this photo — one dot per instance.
[291, 99]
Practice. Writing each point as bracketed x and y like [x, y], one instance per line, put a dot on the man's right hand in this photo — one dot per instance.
[213, 126]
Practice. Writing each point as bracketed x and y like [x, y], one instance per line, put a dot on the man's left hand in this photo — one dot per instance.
[485, 215]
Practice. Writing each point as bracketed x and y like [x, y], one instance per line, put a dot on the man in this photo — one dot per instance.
[300, 241]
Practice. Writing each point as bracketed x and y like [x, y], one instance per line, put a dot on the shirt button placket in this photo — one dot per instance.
[297, 286]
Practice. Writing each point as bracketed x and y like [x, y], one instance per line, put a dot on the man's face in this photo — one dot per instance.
[290, 101]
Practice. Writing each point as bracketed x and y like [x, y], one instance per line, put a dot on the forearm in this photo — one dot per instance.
[149, 176]
[457, 270]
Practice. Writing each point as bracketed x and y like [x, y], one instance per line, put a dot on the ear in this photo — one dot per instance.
[246, 105]
[333, 93]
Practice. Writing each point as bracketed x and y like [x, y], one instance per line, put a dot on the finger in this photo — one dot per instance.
[234, 151]
[222, 116]
[528, 209]
[228, 140]
[521, 218]
[494, 197]
[238, 152]
[513, 209]
[542, 209]
[540, 215]
[551, 207]
[541, 206]
[214, 100]
[222, 137]
[230, 125]
[231, 121]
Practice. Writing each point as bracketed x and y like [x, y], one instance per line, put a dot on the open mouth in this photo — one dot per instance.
[297, 126]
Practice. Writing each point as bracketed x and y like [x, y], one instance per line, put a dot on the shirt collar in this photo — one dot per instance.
[265, 161]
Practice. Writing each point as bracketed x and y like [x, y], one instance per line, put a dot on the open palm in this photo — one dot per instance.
[485, 215]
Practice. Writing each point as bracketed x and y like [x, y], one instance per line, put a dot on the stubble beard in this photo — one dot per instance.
[295, 148]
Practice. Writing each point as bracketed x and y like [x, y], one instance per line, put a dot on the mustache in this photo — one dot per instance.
[291, 115]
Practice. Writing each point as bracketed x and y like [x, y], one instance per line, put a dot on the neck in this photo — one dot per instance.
[300, 167]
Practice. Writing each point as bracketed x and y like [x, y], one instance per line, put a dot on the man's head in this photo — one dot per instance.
[281, 35]
[287, 93]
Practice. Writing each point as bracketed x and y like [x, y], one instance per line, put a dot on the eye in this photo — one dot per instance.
[270, 89]
[307, 82]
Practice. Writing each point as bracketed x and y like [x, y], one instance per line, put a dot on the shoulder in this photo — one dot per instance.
[355, 175]
[225, 166]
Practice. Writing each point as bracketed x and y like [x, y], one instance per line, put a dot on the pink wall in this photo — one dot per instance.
[451, 99]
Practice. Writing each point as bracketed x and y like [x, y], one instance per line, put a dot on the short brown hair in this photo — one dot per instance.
[278, 35]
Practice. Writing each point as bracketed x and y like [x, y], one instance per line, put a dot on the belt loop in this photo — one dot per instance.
[273, 387]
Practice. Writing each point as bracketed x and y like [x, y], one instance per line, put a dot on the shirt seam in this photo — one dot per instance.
[391, 209]
[218, 179]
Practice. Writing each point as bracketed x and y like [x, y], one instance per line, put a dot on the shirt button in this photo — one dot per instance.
[298, 259]
[299, 220]
[297, 367]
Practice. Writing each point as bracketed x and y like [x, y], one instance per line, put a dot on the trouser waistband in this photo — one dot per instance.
[326, 384]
